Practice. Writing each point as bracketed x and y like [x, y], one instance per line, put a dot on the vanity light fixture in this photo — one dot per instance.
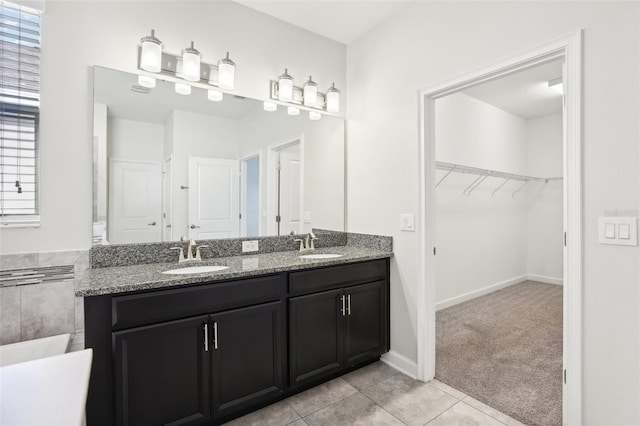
[556, 84]
[333, 99]
[151, 53]
[146, 81]
[293, 110]
[191, 63]
[314, 115]
[310, 93]
[226, 73]
[183, 89]
[187, 65]
[285, 87]
[270, 106]
[214, 95]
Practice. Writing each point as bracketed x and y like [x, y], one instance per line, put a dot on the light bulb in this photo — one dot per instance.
[285, 87]
[270, 106]
[333, 99]
[310, 92]
[191, 64]
[226, 73]
[151, 53]
[214, 95]
[314, 115]
[293, 111]
[183, 89]
[146, 81]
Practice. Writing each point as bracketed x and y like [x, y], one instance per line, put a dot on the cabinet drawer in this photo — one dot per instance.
[336, 276]
[148, 308]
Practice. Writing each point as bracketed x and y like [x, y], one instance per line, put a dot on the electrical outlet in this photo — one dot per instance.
[407, 222]
[249, 246]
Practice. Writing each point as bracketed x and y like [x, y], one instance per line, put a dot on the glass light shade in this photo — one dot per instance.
[293, 111]
[333, 99]
[151, 53]
[146, 81]
[226, 73]
[310, 93]
[183, 89]
[270, 106]
[314, 115]
[214, 95]
[285, 87]
[191, 64]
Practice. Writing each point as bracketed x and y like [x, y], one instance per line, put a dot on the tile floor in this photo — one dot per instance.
[377, 395]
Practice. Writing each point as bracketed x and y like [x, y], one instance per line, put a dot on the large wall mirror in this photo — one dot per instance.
[168, 165]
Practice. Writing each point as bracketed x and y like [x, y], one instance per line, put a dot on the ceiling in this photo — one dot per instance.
[525, 93]
[342, 21]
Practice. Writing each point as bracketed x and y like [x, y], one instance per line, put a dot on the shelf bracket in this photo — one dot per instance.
[477, 185]
[446, 175]
[518, 190]
[501, 185]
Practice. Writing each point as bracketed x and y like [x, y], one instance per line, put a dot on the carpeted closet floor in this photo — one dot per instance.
[505, 349]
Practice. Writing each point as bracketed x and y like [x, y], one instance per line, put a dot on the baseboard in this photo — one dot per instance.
[400, 363]
[546, 280]
[480, 292]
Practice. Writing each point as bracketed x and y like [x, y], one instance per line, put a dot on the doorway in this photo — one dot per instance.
[250, 187]
[286, 188]
[567, 49]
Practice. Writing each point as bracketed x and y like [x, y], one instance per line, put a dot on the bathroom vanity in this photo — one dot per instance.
[206, 348]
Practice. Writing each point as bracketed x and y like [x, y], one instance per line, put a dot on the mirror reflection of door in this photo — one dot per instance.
[213, 198]
[289, 189]
[167, 214]
[250, 196]
[135, 202]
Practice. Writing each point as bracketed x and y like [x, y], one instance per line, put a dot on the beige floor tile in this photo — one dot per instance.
[509, 421]
[462, 414]
[413, 402]
[321, 396]
[355, 410]
[448, 389]
[367, 376]
[278, 414]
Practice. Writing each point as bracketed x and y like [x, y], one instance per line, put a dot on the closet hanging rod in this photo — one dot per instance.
[459, 168]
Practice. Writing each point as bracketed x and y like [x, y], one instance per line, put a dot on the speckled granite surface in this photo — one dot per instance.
[375, 242]
[122, 279]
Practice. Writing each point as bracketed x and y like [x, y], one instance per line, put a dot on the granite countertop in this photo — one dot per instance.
[121, 279]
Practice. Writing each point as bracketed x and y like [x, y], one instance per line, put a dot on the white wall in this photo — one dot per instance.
[135, 140]
[481, 239]
[544, 212]
[432, 42]
[107, 33]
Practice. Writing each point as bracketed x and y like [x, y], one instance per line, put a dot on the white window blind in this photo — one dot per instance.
[19, 113]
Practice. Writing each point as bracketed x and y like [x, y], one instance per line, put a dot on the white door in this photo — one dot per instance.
[214, 187]
[167, 213]
[134, 202]
[290, 185]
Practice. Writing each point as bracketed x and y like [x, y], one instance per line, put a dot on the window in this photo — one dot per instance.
[19, 114]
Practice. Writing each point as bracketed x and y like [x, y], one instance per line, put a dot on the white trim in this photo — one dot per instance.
[479, 292]
[570, 48]
[400, 363]
[271, 181]
[243, 192]
[545, 279]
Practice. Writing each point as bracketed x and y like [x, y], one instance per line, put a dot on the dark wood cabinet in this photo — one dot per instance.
[247, 349]
[334, 329]
[162, 374]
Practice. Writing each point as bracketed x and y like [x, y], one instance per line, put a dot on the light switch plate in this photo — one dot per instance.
[306, 217]
[249, 246]
[407, 222]
[620, 231]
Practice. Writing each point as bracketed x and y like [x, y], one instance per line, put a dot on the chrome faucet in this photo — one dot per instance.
[190, 256]
[307, 242]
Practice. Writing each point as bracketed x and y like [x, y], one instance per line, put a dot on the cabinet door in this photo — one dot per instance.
[316, 332]
[366, 322]
[247, 354]
[162, 374]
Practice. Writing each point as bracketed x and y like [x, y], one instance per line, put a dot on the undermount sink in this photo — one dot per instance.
[321, 256]
[196, 270]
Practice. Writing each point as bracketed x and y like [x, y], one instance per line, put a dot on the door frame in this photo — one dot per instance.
[167, 187]
[271, 180]
[569, 48]
[243, 193]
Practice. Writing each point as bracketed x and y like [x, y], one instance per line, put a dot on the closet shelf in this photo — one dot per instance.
[485, 173]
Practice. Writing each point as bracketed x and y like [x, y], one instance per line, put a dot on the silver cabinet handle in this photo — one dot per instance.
[343, 308]
[152, 223]
[169, 226]
[349, 304]
[194, 226]
[215, 335]
[206, 337]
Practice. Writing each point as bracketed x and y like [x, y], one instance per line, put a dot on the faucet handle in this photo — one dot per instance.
[198, 257]
[313, 238]
[181, 257]
[301, 241]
